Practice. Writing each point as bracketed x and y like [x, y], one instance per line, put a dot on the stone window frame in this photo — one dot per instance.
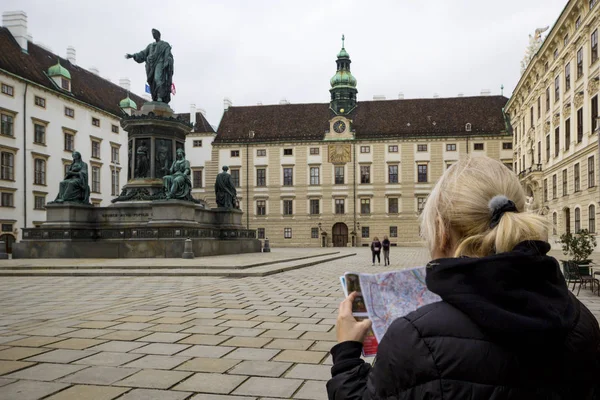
[449, 148]
[93, 188]
[394, 231]
[420, 201]
[365, 174]
[287, 207]
[592, 218]
[115, 184]
[288, 152]
[365, 149]
[6, 113]
[197, 143]
[68, 132]
[591, 171]
[36, 196]
[577, 219]
[261, 181]
[576, 177]
[393, 148]
[234, 153]
[40, 178]
[115, 146]
[314, 180]
[422, 148]
[237, 182]
[476, 145]
[420, 174]
[7, 90]
[314, 233]
[311, 209]
[261, 205]
[287, 180]
[40, 122]
[389, 210]
[7, 193]
[201, 171]
[365, 232]
[68, 111]
[96, 122]
[96, 154]
[261, 233]
[397, 174]
[12, 151]
[365, 206]
[287, 233]
[39, 101]
[314, 151]
[341, 202]
[336, 176]
[565, 182]
[261, 152]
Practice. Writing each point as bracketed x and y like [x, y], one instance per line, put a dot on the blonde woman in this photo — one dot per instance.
[507, 326]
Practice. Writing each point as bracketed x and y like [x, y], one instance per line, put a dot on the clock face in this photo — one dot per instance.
[339, 126]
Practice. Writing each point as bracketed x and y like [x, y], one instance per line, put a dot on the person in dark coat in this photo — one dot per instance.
[507, 326]
[376, 249]
[385, 245]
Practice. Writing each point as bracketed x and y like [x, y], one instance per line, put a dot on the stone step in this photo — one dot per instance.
[260, 271]
[157, 263]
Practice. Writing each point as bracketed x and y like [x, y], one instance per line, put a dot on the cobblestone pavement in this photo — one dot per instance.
[177, 337]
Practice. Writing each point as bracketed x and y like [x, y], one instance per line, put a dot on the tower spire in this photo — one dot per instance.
[343, 84]
[343, 38]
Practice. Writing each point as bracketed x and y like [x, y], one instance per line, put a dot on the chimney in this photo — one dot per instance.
[486, 92]
[71, 55]
[125, 83]
[284, 101]
[16, 22]
[460, 95]
[227, 103]
[400, 96]
[436, 96]
[379, 97]
[193, 114]
[94, 70]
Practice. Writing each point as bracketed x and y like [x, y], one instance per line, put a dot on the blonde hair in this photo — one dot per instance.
[459, 204]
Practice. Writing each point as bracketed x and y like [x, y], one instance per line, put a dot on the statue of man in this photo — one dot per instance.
[225, 190]
[159, 67]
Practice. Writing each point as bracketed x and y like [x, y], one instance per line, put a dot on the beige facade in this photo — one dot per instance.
[314, 209]
[553, 112]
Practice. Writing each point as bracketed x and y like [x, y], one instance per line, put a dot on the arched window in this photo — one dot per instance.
[577, 220]
[592, 218]
[554, 223]
[567, 220]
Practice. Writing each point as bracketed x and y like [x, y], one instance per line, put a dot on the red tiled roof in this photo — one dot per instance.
[85, 86]
[371, 119]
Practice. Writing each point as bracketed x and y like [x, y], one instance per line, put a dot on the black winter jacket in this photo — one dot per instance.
[507, 328]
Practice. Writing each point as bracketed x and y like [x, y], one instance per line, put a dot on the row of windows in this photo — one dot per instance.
[576, 180]
[340, 206]
[7, 199]
[363, 149]
[7, 128]
[591, 220]
[7, 172]
[314, 232]
[315, 175]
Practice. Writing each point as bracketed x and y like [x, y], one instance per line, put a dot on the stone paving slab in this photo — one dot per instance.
[29, 390]
[79, 392]
[273, 332]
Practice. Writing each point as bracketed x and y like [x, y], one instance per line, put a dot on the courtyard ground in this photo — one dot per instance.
[187, 337]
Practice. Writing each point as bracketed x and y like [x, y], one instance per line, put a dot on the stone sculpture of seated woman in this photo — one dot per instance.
[74, 188]
[178, 184]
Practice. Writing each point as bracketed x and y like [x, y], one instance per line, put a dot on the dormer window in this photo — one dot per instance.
[60, 76]
[468, 127]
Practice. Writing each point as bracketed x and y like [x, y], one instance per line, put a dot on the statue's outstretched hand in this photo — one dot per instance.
[128, 56]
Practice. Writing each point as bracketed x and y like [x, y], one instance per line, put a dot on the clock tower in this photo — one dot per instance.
[343, 85]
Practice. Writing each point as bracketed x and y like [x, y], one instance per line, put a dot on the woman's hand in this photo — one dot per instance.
[347, 328]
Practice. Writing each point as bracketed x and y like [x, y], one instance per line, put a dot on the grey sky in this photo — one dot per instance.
[262, 51]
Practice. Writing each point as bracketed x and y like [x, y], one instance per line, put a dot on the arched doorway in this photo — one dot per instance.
[8, 242]
[340, 235]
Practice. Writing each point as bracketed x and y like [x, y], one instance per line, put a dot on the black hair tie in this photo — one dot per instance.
[499, 205]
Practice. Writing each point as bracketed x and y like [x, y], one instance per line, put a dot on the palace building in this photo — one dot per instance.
[554, 114]
[343, 172]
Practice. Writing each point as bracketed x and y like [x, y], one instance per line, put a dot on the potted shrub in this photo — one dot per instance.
[579, 247]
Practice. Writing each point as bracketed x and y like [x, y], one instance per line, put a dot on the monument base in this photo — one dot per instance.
[139, 229]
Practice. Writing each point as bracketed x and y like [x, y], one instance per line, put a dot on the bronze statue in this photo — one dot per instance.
[142, 161]
[159, 67]
[161, 162]
[74, 188]
[225, 190]
[178, 184]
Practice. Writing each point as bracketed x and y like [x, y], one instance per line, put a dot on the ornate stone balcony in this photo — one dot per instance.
[535, 168]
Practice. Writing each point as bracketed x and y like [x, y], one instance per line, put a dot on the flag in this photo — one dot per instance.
[147, 89]
[173, 91]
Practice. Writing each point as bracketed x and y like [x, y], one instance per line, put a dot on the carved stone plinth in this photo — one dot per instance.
[154, 136]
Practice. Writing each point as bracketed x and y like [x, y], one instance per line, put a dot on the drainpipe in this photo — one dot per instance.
[467, 144]
[354, 192]
[25, 156]
[247, 187]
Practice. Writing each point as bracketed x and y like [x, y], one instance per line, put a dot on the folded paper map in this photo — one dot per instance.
[386, 297]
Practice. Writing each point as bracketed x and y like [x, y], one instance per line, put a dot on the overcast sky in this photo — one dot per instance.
[263, 51]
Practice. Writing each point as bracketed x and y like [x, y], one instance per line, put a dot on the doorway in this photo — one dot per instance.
[340, 235]
[8, 242]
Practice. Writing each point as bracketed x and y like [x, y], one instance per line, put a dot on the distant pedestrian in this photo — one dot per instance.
[376, 249]
[386, 250]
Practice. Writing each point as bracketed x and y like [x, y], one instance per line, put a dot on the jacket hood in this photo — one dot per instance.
[518, 296]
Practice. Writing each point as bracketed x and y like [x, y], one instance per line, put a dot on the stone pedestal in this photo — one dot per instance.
[154, 137]
[139, 229]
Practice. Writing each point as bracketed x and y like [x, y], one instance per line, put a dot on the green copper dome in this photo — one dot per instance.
[343, 78]
[343, 53]
[127, 103]
[59, 70]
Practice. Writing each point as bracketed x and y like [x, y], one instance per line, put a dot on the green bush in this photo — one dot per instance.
[578, 246]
